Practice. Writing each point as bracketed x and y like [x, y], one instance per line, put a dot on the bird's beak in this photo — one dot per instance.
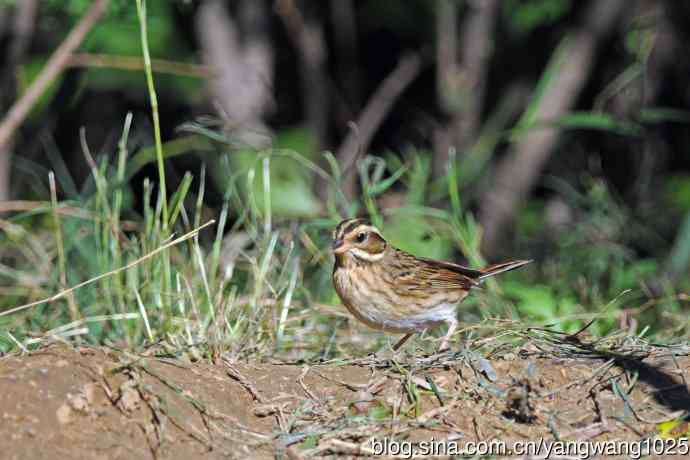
[338, 247]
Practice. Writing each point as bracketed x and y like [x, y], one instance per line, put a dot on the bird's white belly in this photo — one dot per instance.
[375, 318]
[429, 319]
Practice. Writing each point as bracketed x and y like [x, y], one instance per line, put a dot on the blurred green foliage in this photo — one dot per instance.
[117, 34]
[677, 192]
[290, 184]
[526, 15]
[588, 272]
[123, 9]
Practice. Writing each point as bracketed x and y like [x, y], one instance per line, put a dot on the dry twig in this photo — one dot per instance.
[369, 120]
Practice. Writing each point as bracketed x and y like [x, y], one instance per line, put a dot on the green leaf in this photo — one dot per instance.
[418, 178]
[664, 114]
[29, 72]
[309, 443]
[380, 412]
[674, 429]
[679, 258]
[173, 148]
[385, 184]
[525, 16]
[178, 197]
[291, 182]
[333, 164]
[420, 238]
[629, 275]
[298, 139]
[538, 302]
[677, 192]
[597, 121]
[556, 62]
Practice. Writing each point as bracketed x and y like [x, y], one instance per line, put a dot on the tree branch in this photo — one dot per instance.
[22, 32]
[241, 51]
[517, 173]
[310, 43]
[374, 113]
[460, 84]
[344, 22]
[136, 63]
[21, 108]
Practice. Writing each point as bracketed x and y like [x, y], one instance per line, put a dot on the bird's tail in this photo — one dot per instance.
[495, 269]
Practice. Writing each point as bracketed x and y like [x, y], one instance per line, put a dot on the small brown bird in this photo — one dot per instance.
[393, 291]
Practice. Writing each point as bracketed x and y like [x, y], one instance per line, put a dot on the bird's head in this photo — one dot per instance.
[359, 239]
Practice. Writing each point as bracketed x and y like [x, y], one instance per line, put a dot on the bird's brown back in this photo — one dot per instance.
[415, 273]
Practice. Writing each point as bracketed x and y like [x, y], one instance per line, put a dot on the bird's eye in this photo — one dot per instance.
[361, 237]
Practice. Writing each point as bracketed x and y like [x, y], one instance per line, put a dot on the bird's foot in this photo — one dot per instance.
[388, 353]
[402, 341]
[445, 343]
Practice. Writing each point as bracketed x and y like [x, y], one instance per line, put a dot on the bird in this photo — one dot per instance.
[396, 292]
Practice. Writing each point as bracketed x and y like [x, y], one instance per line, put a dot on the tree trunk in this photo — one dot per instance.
[241, 50]
[461, 78]
[517, 173]
[22, 30]
[371, 117]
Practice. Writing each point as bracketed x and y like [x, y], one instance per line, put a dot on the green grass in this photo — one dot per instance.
[258, 283]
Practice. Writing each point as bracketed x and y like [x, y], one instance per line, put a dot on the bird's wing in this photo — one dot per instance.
[420, 273]
[456, 268]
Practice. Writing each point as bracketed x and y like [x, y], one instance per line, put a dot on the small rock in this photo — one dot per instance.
[441, 381]
[519, 402]
[79, 403]
[264, 410]
[89, 391]
[129, 396]
[363, 402]
[64, 414]
[194, 354]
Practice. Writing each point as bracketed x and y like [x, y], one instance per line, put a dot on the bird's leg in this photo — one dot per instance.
[402, 341]
[390, 353]
[452, 325]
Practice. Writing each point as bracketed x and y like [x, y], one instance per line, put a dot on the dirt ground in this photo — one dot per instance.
[100, 403]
